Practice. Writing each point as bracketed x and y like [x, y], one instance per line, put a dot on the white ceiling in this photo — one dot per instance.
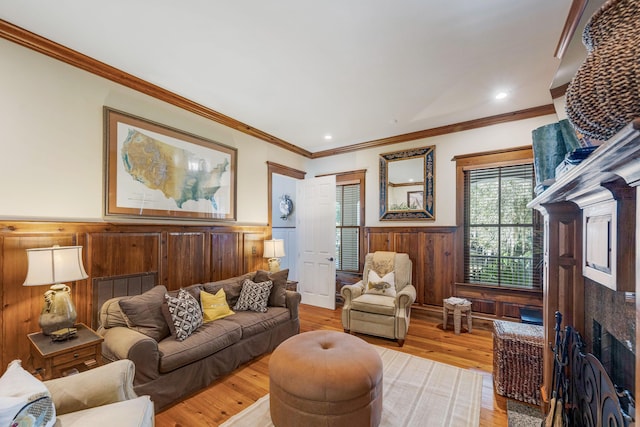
[359, 70]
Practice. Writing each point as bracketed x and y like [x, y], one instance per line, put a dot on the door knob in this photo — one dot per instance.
[330, 259]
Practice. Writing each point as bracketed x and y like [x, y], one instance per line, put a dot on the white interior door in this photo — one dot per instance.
[316, 226]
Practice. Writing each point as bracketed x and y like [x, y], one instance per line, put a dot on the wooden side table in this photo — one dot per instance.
[458, 309]
[54, 358]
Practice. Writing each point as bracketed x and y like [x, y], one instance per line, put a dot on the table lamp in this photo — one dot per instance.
[274, 250]
[52, 266]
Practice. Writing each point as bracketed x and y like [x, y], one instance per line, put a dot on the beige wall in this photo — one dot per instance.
[512, 134]
[51, 139]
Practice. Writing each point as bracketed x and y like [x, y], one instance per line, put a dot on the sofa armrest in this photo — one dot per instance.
[100, 386]
[124, 343]
[351, 292]
[292, 301]
[406, 297]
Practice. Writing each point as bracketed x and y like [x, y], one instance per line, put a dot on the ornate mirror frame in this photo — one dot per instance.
[418, 197]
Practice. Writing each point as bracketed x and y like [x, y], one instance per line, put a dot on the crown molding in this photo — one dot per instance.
[528, 113]
[62, 53]
[76, 59]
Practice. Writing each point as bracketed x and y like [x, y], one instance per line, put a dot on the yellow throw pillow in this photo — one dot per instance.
[214, 306]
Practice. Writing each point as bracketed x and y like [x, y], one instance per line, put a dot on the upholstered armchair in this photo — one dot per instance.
[102, 396]
[380, 304]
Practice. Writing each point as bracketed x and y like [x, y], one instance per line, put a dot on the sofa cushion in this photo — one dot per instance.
[253, 323]
[214, 307]
[183, 314]
[194, 290]
[208, 339]
[232, 287]
[254, 296]
[143, 313]
[277, 298]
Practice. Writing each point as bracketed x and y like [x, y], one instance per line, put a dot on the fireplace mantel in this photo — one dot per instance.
[605, 185]
[617, 158]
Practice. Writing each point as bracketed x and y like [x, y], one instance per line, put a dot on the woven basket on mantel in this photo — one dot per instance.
[604, 95]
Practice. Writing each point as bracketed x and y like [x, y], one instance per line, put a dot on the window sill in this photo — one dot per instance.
[501, 289]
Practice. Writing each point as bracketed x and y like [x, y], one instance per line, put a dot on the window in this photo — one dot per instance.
[502, 244]
[348, 227]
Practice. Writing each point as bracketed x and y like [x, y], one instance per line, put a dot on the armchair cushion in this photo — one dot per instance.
[136, 412]
[378, 304]
[385, 285]
[102, 396]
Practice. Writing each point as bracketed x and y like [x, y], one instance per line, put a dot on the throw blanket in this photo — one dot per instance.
[383, 262]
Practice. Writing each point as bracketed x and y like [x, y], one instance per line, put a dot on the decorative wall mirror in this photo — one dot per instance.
[407, 184]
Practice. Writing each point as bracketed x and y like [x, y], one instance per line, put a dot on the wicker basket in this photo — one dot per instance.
[517, 360]
[604, 94]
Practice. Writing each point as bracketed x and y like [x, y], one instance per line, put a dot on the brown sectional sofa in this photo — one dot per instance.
[168, 369]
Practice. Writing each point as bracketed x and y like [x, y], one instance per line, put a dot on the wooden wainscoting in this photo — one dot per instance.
[432, 250]
[180, 255]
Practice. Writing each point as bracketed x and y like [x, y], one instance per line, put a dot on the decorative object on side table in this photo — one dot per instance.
[52, 266]
[603, 95]
[56, 358]
[274, 250]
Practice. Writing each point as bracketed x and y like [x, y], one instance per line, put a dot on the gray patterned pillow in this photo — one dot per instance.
[185, 313]
[254, 296]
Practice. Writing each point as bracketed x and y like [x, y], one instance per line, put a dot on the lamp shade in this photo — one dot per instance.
[56, 264]
[273, 248]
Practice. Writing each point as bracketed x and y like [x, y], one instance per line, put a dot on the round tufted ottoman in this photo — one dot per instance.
[325, 378]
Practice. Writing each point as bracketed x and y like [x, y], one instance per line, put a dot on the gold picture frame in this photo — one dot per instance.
[156, 171]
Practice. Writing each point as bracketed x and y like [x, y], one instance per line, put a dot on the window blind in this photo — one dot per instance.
[347, 227]
[500, 233]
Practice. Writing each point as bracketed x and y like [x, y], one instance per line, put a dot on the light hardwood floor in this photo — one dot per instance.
[236, 391]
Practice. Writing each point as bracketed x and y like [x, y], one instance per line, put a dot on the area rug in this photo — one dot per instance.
[521, 415]
[416, 392]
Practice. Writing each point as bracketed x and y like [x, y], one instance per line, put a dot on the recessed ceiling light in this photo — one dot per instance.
[328, 137]
[501, 95]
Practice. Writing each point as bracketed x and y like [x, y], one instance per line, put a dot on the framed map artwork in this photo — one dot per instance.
[155, 171]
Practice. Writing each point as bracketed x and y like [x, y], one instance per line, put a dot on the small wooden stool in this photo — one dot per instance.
[457, 308]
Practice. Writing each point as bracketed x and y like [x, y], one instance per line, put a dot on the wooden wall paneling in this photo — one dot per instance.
[113, 250]
[118, 254]
[186, 255]
[485, 306]
[378, 240]
[506, 301]
[21, 305]
[253, 247]
[409, 243]
[563, 283]
[439, 268]
[225, 255]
